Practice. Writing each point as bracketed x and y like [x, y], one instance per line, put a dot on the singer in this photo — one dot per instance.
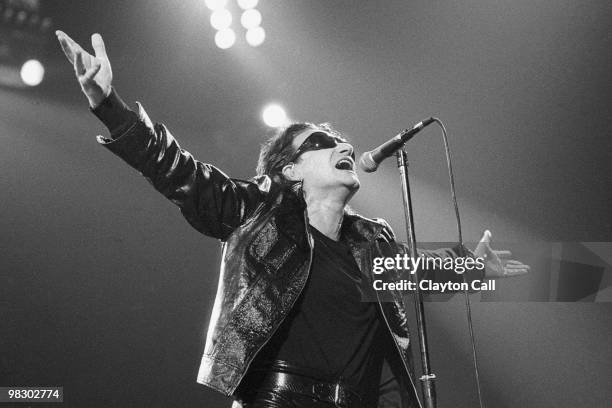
[289, 327]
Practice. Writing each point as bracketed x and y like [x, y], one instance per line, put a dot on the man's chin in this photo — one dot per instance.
[355, 185]
[351, 185]
[352, 190]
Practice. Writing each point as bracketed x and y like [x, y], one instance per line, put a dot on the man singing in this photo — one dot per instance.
[289, 327]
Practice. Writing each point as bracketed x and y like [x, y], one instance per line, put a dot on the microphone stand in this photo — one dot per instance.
[427, 379]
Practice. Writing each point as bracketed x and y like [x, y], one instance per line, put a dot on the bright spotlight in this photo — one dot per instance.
[274, 116]
[250, 18]
[32, 72]
[215, 4]
[225, 38]
[255, 36]
[247, 4]
[221, 19]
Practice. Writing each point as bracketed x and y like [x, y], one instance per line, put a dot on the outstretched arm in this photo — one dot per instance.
[212, 202]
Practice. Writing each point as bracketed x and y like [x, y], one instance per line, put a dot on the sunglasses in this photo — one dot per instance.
[318, 141]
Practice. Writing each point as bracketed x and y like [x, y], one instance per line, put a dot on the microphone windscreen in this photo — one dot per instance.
[367, 163]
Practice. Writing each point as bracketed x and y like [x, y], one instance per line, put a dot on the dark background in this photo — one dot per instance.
[106, 290]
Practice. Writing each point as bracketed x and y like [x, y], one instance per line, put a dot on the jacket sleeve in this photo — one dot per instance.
[212, 203]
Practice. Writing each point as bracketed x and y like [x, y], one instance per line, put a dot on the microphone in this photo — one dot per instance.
[369, 161]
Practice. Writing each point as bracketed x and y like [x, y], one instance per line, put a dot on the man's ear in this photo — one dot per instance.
[290, 173]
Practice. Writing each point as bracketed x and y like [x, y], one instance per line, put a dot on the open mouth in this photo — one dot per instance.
[345, 163]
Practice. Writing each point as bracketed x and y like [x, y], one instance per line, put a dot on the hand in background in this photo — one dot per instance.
[92, 71]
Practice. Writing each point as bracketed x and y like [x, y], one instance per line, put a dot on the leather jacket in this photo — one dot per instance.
[267, 250]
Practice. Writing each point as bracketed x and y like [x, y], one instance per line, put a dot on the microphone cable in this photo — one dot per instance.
[468, 308]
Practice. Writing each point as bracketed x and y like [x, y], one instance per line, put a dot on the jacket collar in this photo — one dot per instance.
[359, 228]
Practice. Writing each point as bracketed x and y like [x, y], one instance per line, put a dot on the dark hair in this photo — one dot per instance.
[276, 152]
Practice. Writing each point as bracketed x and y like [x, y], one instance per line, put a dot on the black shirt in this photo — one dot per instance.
[330, 329]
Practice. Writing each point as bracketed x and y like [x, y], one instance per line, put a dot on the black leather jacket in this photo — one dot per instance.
[267, 250]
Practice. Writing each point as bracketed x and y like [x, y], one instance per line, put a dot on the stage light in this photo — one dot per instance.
[21, 17]
[221, 19]
[225, 38]
[250, 18]
[215, 4]
[274, 115]
[255, 36]
[32, 72]
[8, 14]
[45, 24]
[23, 43]
[247, 4]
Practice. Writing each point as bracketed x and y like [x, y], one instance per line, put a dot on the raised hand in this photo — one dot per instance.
[497, 264]
[93, 72]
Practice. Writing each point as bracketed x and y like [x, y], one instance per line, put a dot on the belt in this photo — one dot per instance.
[337, 392]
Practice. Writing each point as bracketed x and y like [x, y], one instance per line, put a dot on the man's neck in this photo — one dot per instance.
[326, 214]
